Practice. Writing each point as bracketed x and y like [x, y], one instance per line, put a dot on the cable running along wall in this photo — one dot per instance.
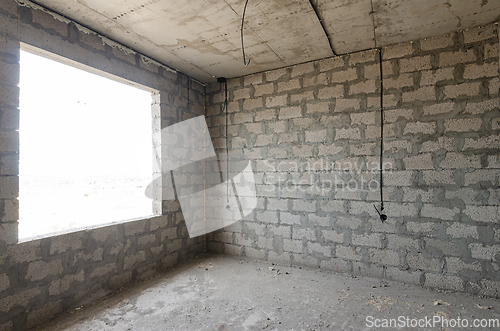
[383, 216]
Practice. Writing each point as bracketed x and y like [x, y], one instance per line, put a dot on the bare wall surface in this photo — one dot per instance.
[313, 132]
[441, 182]
[46, 276]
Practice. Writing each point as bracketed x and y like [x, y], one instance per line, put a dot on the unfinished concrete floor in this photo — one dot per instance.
[218, 292]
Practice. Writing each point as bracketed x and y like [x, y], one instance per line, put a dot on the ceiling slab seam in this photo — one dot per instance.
[320, 19]
[105, 40]
[254, 32]
[449, 5]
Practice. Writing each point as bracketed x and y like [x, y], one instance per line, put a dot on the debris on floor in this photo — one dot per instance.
[484, 307]
[440, 302]
[238, 296]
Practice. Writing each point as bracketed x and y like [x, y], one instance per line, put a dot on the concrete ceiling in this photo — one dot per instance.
[201, 38]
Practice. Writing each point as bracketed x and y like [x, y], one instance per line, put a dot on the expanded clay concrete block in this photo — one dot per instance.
[439, 139]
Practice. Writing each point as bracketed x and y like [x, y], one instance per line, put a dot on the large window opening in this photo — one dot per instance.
[85, 148]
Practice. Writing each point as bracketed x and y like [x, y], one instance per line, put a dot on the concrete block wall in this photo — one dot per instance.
[313, 132]
[43, 277]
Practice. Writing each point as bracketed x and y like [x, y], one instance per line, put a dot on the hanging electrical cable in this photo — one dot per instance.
[189, 86]
[223, 82]
[227, 145]
[205, 143]
[241, 30]
[205, 100]
[383, 216]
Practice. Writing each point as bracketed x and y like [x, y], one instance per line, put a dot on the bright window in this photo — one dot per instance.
[85, 148]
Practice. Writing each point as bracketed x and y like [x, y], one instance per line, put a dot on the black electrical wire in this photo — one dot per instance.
[205, 100]
[189, 86]
[381, 128]
[227, 146]
[383, 217]
[241, 30]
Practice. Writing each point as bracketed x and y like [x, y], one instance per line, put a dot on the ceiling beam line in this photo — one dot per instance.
[314, 7]
[254, 32]
[29, 3]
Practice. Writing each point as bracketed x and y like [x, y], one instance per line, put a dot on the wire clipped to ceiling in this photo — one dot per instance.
[241, 31]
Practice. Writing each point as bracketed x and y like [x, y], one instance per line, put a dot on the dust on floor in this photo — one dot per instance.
[219, 292]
